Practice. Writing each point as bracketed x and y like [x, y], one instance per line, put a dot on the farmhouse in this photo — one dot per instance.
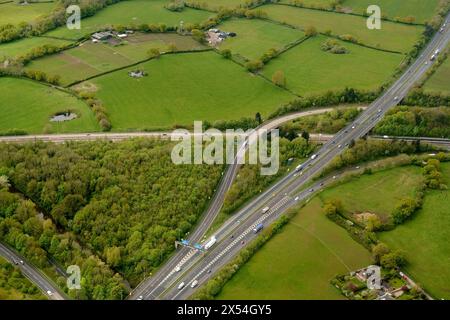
[100, 36]
[216, 36]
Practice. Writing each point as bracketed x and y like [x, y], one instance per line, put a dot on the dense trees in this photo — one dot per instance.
[126, 203]
[13, 285]
[328, 122]
[417, 122]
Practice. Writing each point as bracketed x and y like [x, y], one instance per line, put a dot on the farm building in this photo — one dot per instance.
[100, 36]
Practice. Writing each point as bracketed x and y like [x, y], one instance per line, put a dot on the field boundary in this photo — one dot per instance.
[135, 64]
[347, 13]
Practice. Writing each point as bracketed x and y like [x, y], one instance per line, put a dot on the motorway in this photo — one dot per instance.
[286, 193]
[50, 290]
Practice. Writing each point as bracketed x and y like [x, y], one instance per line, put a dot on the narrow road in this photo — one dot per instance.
[50, 290]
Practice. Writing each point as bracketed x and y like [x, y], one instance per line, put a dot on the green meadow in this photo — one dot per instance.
[132, 12]
[392, 36]
[440, 80]
[255, 37]
[299, 262]
[28, 106]
[308, 69]
[181, 88]
[23, 46]
[15, 13]
[421, 10]
[424, 240]
[90, 59]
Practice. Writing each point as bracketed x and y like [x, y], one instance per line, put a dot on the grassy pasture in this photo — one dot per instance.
[392, 36]
[28, 106]
[420, 9]
[378, 193]
[424, 240]
[299, 262]
[133, 12]
[90, 59]
[255, 37]
[181, 88]
[22, 46]
[14, 13]
[308, 69]
[440, 80]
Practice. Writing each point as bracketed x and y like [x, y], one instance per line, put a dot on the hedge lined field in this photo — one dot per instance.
[195, 86]
[133, 12]
[28, 106]
[23, 46]
[256, 37]
[419, 9]
[424, 240]
[299, 262]
[90, 59]
[15, 13]
[218, 4]
[308, 69]
[378, 193]
[440, 80]
[392, 36]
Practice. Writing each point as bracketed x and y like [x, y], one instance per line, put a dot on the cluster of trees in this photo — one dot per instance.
[13, 285]
[331, 5]
[56, 18]
[176, 6]
[37, 238]
[418, 97]
[146, 28]
[126, 202]
[433, 176]
[417, 122]
[249, 182]
[42, 76]
[99, 110]
[330, 98]
[369, 150]
[329, 122]
[333, 46]
[388, 259]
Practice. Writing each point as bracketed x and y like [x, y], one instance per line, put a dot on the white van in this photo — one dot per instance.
[265, 210]
[194, 284]
[181, 286]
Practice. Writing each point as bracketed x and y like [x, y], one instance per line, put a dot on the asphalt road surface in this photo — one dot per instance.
[35, 276]
[238, 230]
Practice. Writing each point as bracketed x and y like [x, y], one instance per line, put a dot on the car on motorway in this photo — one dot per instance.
[395, 98]
[194, 284]
[177, 269]
[313, 156]
[242, 242]
[140, 298]
[340, 146]
[209, 271]
[296, 199]
[321, 184]
[258, 228]
[311, 190]
[49, 293]
[385, 137]
[181, 286]
[265, 210]
[21, 262]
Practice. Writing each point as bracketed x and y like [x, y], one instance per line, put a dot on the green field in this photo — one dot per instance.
[133, 12]
[299, 262]
[195, 86]
[378, 193]
[440, 80]
[424, 239]
[14, 13]
[422, 10]
[255, 37]
[311, 3]
[23, 46]
[308, 69]
[90, 59]
[392, 36]
[28, 106]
